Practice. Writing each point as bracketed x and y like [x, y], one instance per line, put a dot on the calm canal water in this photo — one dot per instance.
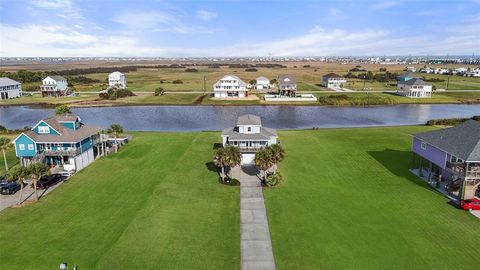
[196, 118]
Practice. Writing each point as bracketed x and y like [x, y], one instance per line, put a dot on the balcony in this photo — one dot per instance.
[67, 152]
[457, 167]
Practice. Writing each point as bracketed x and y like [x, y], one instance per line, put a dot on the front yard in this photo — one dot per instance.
[348, 201]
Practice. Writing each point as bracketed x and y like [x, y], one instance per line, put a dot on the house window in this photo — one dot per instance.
[30, 146]
[249, 129]
[21, 146]
[423, 146]
[43, 129]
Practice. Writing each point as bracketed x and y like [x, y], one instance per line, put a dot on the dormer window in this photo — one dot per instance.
[43, 130]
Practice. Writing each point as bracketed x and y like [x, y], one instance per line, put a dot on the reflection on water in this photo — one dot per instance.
[195, 118]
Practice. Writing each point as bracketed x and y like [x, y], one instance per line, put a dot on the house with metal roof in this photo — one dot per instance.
[54, 86]
[9, 88]
[262, 83]
[250, 136]
[60, 141]
[333, 81]
[409, 85]
[287, 85]
[117, 79]
[230, 86]
[450, 157]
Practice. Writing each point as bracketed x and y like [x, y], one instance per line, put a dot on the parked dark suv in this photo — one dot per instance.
[10, 188]
[48, 181]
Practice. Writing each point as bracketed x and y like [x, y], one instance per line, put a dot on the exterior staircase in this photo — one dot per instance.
[38, 158]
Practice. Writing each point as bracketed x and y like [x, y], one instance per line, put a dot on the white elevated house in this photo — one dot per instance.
[473, 73]
[263, 83]
[410, 86]
[9, 88]
[117, 79]
[249, 136]
[287, 85]
[230, 86]
[333, 81]
[54, 86]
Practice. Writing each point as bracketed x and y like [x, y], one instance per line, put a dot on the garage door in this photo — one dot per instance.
[248, 159]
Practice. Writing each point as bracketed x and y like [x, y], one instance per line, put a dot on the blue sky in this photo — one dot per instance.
[238, 28]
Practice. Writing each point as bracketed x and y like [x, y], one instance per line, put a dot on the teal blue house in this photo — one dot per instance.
[59, 141]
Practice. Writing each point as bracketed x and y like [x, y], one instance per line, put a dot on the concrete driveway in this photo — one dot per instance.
[28, 194]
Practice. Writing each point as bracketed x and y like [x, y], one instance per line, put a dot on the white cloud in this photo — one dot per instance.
[157, 21]
[386, 4]
[66, 8]
[206, 15]
[55, 40]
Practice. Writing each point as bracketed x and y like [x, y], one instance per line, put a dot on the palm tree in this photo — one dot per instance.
[62, 109]
[233, 156]
[18, 173]
[37, 170]
[220, 160]
[5, 145]
[278, 154]
[115, 129]
[263, 161]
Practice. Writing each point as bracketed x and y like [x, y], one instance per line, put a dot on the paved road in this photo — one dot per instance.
[256, 245]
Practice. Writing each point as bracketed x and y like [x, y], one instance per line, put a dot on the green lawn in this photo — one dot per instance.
[153, 205]
[348, 201]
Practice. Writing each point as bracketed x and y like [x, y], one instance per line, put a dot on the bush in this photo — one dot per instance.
[273, 179]
[251, 70]
[61, 109]
[113, 94]
[177, 82]
[450, 121]
[191, 70]
[159, 91]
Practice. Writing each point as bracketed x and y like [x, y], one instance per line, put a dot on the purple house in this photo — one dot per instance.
[449, 159]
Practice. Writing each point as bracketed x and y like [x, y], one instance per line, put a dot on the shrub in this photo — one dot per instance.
[177, 82]
[306, 66]
[251, 70]
[191, 70]
[113, 94]
[273, 179]
[159, 91]
[450, 121]
[61, 109]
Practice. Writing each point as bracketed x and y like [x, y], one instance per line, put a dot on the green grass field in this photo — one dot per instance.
[153, 205]
[348, 201]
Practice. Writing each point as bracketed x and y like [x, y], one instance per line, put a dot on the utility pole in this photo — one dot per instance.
[204, 84]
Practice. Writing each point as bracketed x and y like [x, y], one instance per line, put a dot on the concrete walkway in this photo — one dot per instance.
[256, 246]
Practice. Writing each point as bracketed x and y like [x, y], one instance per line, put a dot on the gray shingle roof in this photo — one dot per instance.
[68, 135]
[240, 82]
[249, 119]
[264, 135]
[332, 75]
[262, 78]
[462, 141]
[4, 81]
[57, 78]
[415, 81]
[287, 79]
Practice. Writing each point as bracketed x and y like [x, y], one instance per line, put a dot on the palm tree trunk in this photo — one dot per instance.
[223, 174]
[5, 159]
[35, 189]
[116, 143]
[21, 193]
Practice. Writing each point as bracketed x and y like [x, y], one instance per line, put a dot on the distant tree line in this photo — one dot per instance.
[370, 76]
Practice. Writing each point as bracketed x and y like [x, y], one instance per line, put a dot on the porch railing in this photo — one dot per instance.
[67, 152]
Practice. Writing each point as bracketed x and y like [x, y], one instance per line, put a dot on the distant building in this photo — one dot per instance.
[230, 86]
[333, 81]
[9, 88]
[409, 85]
[473, 73]
[61, 140]
[249, 136]
[54, 86]
[450, 159]
[117, 79]
[263, 83]
[287, 85]
[410, 69]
